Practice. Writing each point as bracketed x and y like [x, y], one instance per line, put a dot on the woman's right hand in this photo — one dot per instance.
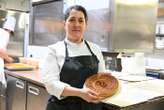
[89, 95]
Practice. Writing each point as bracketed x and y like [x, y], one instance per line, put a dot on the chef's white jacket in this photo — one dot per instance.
[54, 61]
[4, 39]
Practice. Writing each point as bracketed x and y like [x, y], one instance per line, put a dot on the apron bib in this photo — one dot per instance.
[74, 72]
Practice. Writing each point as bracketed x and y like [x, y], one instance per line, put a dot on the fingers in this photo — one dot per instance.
[93, 93]
[90, 96]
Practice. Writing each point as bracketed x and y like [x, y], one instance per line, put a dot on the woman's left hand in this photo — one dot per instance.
[89, 95]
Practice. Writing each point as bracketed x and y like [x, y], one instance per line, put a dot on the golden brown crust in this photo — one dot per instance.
[103, 83]
[18, 66]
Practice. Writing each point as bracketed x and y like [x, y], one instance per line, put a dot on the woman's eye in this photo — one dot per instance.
[76, 20]
[81, 21]
[72, 20]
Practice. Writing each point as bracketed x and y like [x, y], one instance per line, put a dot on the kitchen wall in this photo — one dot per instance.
[32, 50]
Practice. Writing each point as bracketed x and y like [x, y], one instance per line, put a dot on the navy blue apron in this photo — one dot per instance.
[74, 72]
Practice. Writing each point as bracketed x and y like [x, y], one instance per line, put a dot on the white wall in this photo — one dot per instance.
[38, 52]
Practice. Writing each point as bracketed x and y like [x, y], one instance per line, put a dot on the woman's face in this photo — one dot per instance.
[75, 26]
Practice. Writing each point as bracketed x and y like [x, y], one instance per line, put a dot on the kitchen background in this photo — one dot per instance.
[114, 25]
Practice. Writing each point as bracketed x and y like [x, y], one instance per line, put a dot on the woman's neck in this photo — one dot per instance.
[75, 41]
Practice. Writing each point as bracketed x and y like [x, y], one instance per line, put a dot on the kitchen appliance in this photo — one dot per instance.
[46, 22]
[134, 24]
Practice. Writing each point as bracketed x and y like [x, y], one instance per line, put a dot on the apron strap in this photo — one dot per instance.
[90, 50]
[89, 47]
[66, 49]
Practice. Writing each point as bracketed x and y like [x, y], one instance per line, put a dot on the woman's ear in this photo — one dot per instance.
[86, 26]
[64, 24]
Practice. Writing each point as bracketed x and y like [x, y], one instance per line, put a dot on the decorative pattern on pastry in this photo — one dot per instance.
[103, 83]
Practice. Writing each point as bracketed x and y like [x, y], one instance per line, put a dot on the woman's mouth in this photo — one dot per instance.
[76, 30]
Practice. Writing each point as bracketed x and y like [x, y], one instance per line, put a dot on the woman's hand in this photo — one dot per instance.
[85, 93]
[89, 95]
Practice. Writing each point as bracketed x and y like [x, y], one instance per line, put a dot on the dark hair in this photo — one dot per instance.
[78, 8]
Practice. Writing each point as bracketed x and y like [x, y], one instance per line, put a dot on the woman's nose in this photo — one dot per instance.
[77, 22]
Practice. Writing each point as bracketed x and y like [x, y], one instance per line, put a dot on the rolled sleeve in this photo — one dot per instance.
[56, 88]
[50, 75]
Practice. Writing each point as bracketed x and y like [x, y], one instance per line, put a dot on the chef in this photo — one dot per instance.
[5, 32]
[69, 63]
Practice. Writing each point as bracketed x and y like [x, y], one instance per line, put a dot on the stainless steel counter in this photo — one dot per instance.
[32, 76]
[135, 93]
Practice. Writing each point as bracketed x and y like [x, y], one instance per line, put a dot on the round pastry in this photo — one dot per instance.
[103, 83]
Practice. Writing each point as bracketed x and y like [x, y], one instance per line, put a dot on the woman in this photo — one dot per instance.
[69, 63]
